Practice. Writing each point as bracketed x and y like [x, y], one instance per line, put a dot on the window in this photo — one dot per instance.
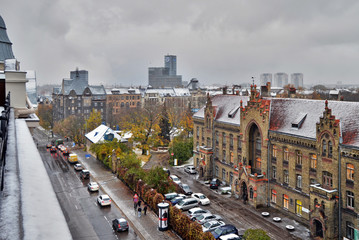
[299, 181]
[224, 155]
[251, 193]
[285, 154]
[274, 172]
[274, 196]
[350, 230]
[298, 207]
[286, 176]
[258, 163]
[224, 174]
[285, 201]
[231, 158]
[350, 172]
[313, 161]
[330, 149]
[324, 148]
[208, 142]
[224, 139]
[197, 146]
[217, 171]
[216, 137]
[239, 143]
[327, 180]
[230, 141]
[197, 131]
[274, 151]
[216, 154]
[202, 129]
[95, 104]
[298, 160]
[122, 104]
[258, 143]
[350, 199]
[230, 178]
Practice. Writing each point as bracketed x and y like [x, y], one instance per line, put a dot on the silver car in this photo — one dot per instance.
[197, 211]
[201, 219]
[211, 225]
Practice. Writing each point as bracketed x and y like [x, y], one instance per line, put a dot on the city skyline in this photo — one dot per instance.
[214, 42]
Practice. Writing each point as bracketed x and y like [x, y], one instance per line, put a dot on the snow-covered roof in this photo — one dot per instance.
[285, 111]
[182, 92]
[98, 134]
[226, 108]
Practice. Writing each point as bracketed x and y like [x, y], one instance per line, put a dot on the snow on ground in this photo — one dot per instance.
[41, 211]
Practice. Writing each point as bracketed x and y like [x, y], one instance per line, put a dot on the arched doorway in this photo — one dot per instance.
[255, 149]
[244, 192]
[318, 229]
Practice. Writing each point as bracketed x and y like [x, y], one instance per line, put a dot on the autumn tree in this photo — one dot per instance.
[45, 113]
[72, 127]
[144, 125]
[186, 123]
[93, 121]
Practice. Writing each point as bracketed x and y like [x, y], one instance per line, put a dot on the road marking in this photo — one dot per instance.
[95, 203]
[76, 207]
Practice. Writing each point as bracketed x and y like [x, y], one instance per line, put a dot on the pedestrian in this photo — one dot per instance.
[139, 203]
[139, 211]
[145, 210]
[135, 206]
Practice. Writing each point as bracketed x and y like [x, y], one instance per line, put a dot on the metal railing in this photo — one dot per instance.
[4, 121]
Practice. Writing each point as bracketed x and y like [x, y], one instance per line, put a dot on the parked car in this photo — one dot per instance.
[211, 225]
[175, 179]
[187, 203]
[231, 236]
[53, 149]
[215, 183]
[120, 225]
[224, 230]
[85, 174]
[93, 186]
[197, 211]
[176, 200]
[48, 145]
[170, 196]
[190, 169]
[205, 217]
[78, 167]
[187, 190]
[104, 200]
[203, 200]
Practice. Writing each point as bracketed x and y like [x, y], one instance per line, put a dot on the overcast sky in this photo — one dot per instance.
[216, 41]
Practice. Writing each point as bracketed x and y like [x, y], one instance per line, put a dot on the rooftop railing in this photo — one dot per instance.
[4, 121]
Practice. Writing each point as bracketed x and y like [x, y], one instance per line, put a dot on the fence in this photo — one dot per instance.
[4, 121]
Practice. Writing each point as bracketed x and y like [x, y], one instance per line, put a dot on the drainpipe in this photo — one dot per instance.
[340, 190]
[268, 172]
[214, 149]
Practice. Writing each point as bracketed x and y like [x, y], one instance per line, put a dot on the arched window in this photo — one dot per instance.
[330, 149]
[274, 196]
[258, 143]
[324, 148]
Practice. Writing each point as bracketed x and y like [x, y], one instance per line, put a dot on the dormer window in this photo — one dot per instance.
[298, 122]
[233, 112]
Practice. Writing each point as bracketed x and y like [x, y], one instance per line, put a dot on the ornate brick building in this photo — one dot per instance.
[296, 155]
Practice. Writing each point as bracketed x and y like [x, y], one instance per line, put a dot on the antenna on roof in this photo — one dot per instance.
[253, 80]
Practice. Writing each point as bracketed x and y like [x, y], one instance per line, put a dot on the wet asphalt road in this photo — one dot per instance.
[86, 219]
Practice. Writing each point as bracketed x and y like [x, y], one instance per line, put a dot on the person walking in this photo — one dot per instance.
[139, 203]
[135, 206]
[139, 211]
[145, 210]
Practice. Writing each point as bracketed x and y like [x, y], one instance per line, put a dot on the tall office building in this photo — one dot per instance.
[265, 77]
[296, 79]
[280, 79]
[159, 77]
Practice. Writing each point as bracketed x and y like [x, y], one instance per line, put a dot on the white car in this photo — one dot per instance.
[211, 225]
[175, 179]
[93, 186]
[205, 217]
[196, 211]
[104, 200]
[78, 167]
[203, 200]
[190, 169]
[231, 236]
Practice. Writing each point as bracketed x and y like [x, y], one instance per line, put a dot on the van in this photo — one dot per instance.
[187, 203]
[73, 158]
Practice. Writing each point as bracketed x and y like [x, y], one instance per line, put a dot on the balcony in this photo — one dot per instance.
[285, 163]
[323, 192]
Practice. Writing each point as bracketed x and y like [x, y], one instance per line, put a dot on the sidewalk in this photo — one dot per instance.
[122, 196]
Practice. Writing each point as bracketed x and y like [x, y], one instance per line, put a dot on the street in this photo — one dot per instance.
[234, 212]
[86, 219]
